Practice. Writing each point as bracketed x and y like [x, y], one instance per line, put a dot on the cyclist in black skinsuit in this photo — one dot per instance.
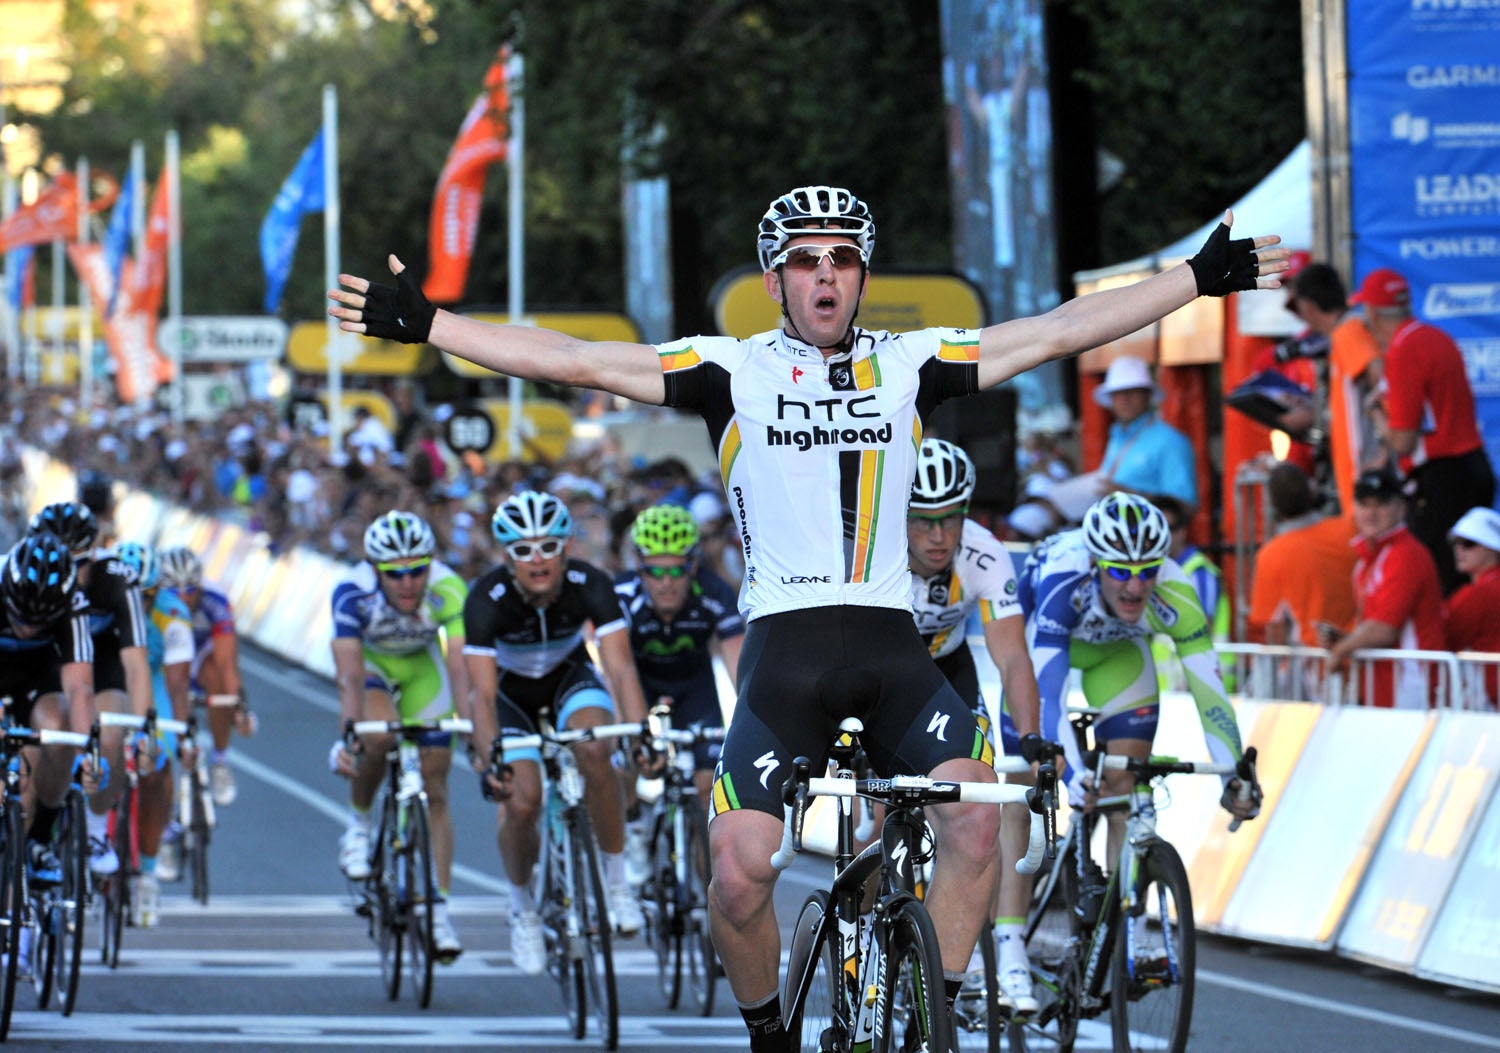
[524, 625]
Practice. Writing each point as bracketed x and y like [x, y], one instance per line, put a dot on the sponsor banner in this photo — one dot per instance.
[1465, 943]
[1304, 905]
[1424, 843]
[227, 338]
[1424, 142]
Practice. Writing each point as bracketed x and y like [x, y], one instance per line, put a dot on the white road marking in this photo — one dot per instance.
[317, 964]
[1426, 1028]
[426, 1031]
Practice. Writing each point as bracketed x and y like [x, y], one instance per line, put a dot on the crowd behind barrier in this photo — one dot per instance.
[1380, 835]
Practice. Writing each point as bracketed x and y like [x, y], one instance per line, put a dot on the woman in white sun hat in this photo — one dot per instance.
[1145, 454]
[1470, 611]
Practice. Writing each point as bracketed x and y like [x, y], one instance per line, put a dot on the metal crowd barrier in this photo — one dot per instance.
[1420, 679]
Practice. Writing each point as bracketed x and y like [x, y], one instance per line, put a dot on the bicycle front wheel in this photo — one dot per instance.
[196, 836]
[385, 880]
[594, 948]
[116, 890]
[12, 906]
[700, 965]
[812, 995]
[421, 894]
[913, 1011]
[665, 923]
[1151, 1007]
[72, 902]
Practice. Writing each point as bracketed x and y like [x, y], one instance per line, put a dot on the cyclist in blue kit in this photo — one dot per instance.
[816, 426]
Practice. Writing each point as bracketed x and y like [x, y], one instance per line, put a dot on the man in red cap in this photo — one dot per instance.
[1426, 416]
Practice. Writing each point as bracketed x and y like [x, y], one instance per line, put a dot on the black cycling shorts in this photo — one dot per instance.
[802, 672]
[27, 675]
[573, 685]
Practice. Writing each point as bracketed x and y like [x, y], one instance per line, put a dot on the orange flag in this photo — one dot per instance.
[481, 142]
[52, 216]
[151, 268]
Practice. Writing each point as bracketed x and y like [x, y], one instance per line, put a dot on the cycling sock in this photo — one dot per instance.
[217, 756]
[614, 868]
[42, 822]
[952, 984]
[763, 1019]
[1012, 945]
[148, 864]
[359, 817]
[521, 901]
[97, 825]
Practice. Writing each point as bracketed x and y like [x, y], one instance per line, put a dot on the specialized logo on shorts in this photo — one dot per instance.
[939, 726]
[767, 763]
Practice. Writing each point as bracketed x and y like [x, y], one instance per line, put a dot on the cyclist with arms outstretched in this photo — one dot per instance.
[398, 639]
[816, 426]
[525, 621]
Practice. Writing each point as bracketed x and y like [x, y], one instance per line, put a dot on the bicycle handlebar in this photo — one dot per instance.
[921, 790]
[48, 737]
[457, 725]
[1242, 770]
[569, 736]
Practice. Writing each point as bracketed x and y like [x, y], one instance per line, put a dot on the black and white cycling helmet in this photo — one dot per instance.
[1126, 528]
[814, 210]
[945, 475]
[531, 514]
[37, 579]
[72, 521]
[398, 535]
[180, 568]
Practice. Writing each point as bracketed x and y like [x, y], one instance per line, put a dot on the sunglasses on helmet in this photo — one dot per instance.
[526, 551]
[808, 257]
[1125, 571]
[404, 570]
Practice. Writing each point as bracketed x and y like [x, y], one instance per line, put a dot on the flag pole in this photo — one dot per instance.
[138, 227]
[514, 79]
[8, 197]
[174, 273]
[332, 266]
[85, 301]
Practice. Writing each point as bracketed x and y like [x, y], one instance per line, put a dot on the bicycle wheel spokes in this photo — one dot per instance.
[1055, 947]
[594, 932]
[977, 1024]
[196, 838]
[12, 906]
[421, 892]
[1151, 1004]
[72, 902]
[913, 1011]
[665, 925]
[700, 963]
[386, 876]
[813, 992]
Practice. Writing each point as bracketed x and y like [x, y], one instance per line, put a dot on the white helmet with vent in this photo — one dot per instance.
[945, 475]
[814, 210]
[531, 514]
[398, 535]
[1126, 528]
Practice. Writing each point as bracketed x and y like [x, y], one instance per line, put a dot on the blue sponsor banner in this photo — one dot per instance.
[1424, 110]
[1424, 141]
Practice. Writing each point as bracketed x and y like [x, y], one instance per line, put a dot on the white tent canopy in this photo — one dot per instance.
[1281, 203]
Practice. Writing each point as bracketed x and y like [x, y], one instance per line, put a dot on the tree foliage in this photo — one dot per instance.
[753, 97]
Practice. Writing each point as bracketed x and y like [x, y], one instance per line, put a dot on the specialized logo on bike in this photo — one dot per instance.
[833, 413]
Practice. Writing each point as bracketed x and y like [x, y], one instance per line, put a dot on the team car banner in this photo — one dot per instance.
[1424, 144]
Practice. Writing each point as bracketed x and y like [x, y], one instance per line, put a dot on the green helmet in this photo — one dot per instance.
[665, 530]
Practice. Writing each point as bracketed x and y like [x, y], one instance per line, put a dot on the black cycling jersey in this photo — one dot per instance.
[670, 655]
[117, 619]
[32, 667]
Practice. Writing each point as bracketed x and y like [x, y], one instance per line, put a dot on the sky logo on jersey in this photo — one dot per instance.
[766, 763]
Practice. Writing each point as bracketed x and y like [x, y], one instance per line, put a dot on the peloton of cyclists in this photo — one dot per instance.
[677, 610]
[398, 638]
[524, 628]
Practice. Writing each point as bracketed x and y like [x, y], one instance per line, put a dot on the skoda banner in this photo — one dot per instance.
[1424, 143]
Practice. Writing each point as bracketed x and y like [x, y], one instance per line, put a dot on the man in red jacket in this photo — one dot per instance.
[1396, 588]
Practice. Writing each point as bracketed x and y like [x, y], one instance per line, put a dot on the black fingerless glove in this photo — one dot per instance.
[1033, 748]
[1223, 266]
[398, 312]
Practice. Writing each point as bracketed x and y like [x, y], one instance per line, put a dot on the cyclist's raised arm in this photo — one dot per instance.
[1222, 266]
[401, 312]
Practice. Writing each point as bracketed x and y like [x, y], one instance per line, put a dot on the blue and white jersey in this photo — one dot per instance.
[360, 611]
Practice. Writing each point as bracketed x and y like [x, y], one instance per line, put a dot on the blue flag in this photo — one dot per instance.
[117, 237]
[301, 193]
[16, 262]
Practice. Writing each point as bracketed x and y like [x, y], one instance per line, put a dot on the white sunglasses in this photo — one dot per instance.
[808, 257]
[526, 551]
